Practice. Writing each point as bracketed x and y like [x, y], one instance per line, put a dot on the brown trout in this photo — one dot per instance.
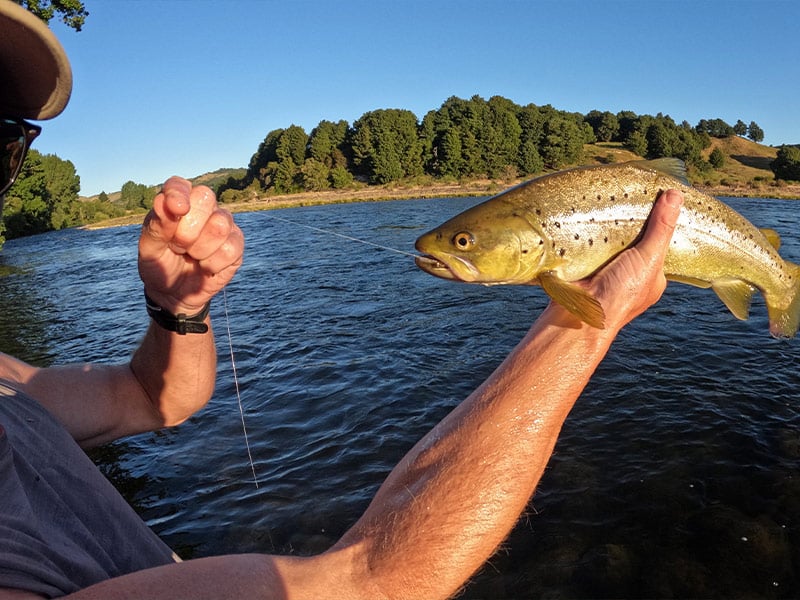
[562, 227]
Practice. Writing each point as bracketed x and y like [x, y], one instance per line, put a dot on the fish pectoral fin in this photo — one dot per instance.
[773, 237]
[574, 298]
[737, 296]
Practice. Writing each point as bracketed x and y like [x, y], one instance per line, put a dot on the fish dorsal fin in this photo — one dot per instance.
[674, 167]
[736, 294]
[574, 298]
[773, 238]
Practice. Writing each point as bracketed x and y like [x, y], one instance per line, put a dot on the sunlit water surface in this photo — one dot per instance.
[676, 474]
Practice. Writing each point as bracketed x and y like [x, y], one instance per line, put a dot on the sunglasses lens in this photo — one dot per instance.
[14, 138]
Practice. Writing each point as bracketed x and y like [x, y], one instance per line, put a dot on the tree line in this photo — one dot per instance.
[464, 138]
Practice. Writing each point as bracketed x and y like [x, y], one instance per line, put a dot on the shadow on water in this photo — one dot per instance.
[676, 475]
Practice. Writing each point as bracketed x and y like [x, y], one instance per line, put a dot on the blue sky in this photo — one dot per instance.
[184, 87]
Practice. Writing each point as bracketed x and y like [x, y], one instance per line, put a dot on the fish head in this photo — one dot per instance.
[482, 245]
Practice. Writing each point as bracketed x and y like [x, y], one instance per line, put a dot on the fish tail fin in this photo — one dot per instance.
[784, 322]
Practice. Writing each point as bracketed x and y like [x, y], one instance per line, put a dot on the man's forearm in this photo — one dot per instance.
[453, 499]
[176, 372]
[170, 377]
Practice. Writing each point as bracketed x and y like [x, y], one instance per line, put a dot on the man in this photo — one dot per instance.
[439, 515]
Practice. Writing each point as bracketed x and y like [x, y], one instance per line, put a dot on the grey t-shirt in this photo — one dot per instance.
[63, 526]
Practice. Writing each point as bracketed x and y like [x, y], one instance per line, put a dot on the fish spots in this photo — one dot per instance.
[577, 236]
[562, 252]
[591, 242]
[605, 239]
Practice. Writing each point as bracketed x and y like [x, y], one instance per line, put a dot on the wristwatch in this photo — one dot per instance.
[180, 323]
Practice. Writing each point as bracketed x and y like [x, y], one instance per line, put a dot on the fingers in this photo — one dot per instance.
[187, 220]
[189, 249]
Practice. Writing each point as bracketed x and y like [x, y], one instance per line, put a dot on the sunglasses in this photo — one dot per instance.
[16, 136]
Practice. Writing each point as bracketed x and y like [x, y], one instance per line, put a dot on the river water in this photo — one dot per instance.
[676, 475]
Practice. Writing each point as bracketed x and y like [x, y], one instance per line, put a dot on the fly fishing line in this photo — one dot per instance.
[230, 338]
[341, 235]
[236, 385]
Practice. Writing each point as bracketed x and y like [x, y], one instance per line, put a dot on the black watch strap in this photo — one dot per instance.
[180, 323]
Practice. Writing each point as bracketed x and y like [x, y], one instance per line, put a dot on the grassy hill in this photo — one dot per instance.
[746, 170]
[212, 180]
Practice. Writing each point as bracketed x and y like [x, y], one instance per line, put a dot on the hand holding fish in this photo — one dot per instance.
[639, 271]
[189, 248]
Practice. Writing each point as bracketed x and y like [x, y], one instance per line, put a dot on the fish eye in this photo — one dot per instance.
[463, 240]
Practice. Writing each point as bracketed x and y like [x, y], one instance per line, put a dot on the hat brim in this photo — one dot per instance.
[35, 75]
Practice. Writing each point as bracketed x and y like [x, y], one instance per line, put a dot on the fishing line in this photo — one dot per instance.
[341, 235]
[236, 385]
[230, 338]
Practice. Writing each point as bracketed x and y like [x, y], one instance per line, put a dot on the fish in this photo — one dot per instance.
[562, 227]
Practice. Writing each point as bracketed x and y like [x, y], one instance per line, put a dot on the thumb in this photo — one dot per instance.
[661, 225]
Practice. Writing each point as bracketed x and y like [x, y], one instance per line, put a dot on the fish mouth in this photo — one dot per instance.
[438, 268]
[434, 266]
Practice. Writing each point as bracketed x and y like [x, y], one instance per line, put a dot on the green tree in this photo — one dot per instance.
[327, 148]
[386, 145]
[531, 121]
[628, 124]
[715, 128]
[278, 162]
[661, 140]
[133, 196]
[73, 12]
[755, 133]
[786, 165]
[327, 143]
[290, 152]
[42, 197]
[63, 185]
[604, 124]
[717, 158]
[500, 137]
[264, 155]
[316, 175]
[562, 143]
[740, 128]
[461, 128]
[26, 211]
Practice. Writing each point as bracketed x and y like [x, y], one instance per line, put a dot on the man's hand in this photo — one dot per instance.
[189, 249]
[634, 281]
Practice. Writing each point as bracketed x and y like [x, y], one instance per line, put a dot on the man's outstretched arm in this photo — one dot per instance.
[455, 496]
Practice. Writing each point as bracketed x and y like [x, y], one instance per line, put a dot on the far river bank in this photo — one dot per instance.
[443, 190]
